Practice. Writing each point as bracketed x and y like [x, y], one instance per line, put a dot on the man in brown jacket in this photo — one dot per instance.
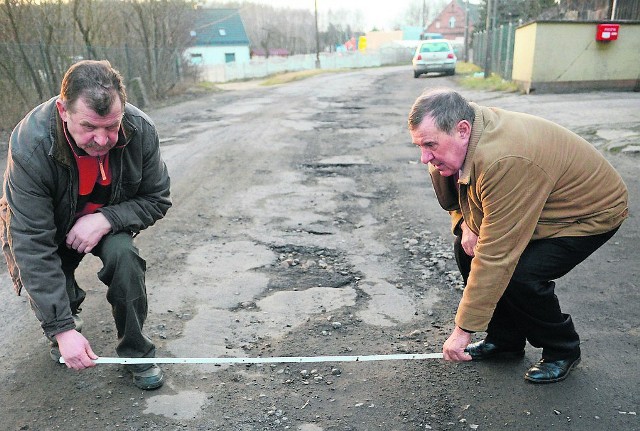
[529, 201]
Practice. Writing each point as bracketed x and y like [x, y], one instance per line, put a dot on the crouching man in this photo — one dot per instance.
[84, 175]
[529, 201]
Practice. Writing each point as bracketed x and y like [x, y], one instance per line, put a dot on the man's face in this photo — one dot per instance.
[445, 152]
[93, 133]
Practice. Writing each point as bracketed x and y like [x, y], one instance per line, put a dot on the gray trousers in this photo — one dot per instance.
[123, 273]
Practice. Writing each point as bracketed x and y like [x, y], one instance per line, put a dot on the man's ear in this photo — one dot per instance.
[464, 129]
[62, 110]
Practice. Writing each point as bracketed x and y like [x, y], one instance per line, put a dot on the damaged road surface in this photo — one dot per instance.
[304, 225]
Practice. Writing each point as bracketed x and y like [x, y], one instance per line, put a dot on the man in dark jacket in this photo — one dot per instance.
[84, 175]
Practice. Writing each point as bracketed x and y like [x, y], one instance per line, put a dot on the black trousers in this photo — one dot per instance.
[529, 309]
[123, 273]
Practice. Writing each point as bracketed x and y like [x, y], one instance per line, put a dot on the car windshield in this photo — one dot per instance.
[435, 47]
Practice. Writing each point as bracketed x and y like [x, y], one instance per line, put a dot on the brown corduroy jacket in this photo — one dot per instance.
[524, 178]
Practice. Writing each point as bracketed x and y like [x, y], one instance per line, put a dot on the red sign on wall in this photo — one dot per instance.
[607, 32]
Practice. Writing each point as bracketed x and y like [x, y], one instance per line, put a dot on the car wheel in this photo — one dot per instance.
[416, 74]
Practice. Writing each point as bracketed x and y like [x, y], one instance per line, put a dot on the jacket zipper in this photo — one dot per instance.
[102, 173]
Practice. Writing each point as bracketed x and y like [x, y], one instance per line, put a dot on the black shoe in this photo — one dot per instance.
[485, 350]
[545, 371]
[148, 379]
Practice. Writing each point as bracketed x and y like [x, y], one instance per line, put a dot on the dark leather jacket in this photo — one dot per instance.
[40, 194]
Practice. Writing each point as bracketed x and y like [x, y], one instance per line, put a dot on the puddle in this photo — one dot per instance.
[184, 405]
[616, 134]
[347, 160]
[298, 125]
[218, 274]
[217, 332]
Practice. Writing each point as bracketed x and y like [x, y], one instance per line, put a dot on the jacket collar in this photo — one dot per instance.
[476, 133]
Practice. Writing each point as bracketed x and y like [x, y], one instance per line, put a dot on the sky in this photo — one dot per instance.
[377, 13]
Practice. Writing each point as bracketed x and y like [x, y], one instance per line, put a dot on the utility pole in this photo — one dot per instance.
[424, 12]
[489, 30]
[466, 30]
[317, 37]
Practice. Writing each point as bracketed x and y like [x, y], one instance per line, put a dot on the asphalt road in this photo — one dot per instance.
[303, 225]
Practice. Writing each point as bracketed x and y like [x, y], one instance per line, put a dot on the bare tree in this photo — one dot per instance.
[416, 14]
[162, 33]
[52, 32]
[19, 20]
[268, 27]
[342, 18]
[420, 13]
[262, 26]
[40, 39]
[84, 19]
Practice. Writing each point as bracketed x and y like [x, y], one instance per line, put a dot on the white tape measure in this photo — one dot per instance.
[267, 360]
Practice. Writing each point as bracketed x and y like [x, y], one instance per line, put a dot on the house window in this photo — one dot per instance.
[229, 57]
[452, 22]
[437, 24]
[196, 58]
[222, 32]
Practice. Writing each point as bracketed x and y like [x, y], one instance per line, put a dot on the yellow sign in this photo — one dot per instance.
[362, 43]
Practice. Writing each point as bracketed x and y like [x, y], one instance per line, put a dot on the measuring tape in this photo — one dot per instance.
[266, 360]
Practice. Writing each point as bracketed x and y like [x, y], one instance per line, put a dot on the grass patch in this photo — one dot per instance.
[464, 68]
[492, 83]
[472, 77]
[207, 86]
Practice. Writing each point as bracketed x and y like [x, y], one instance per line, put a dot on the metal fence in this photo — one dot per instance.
[31, 73]
[50, 62]
[263, 67]
[500, 51]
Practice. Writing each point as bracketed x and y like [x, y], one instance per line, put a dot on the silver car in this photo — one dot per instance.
[434, 56]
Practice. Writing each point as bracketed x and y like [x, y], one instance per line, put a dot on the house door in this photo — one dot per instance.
[229, 57]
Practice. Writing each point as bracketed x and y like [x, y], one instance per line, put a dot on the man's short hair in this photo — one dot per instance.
[96, 82]
[445, 106]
